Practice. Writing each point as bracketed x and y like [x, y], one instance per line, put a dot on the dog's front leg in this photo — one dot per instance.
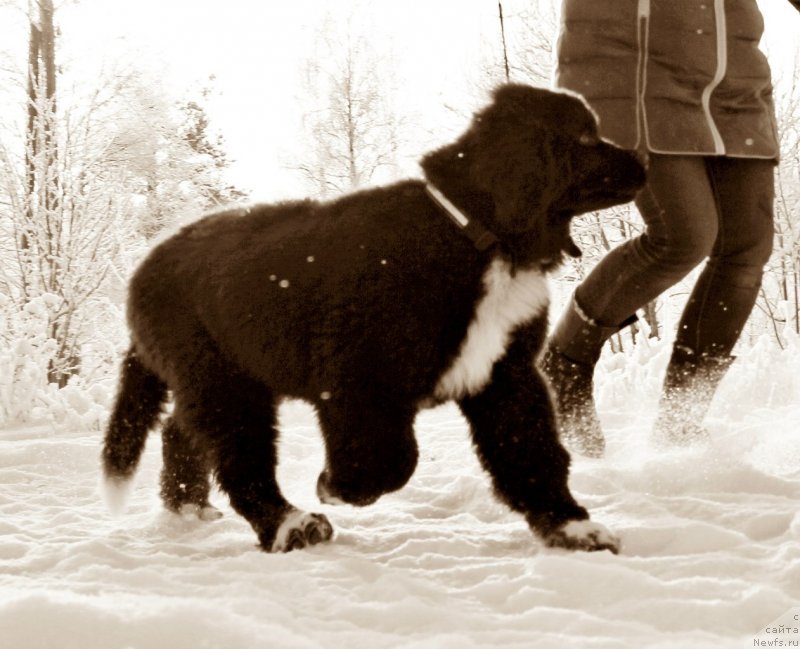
[370, 447]
[515, 434]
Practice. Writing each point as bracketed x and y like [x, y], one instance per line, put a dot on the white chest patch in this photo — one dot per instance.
[508, 302]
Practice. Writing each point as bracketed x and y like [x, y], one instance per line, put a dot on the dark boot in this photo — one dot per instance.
[689, 386]
[568, 364]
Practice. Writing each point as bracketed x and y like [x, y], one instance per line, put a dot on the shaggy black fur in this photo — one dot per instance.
[359, 306]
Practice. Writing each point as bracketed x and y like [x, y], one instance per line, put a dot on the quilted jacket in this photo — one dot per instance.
[672, 76]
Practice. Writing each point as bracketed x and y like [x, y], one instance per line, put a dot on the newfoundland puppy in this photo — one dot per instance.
[371, 307]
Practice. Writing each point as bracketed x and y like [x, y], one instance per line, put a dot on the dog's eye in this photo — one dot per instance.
[588, 138]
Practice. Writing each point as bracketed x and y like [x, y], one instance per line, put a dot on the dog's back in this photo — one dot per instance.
[283, 288]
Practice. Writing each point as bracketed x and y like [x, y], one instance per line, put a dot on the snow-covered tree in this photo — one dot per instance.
[85, 178]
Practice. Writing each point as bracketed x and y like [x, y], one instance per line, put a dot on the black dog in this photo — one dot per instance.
[371, 307]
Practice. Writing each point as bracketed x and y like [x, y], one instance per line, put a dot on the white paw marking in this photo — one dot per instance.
[207, 513]
[588, 529]
[297, 520]
[115, 493]
[509, 301]
[210, 513]
[584, 535]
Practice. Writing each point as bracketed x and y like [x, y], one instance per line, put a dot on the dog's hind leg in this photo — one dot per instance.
[370, 449]
[515, 434]
[233, 417]
[185, 475]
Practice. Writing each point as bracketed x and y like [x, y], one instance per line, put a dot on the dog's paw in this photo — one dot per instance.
[587, 536]
[301, 529]
[204, 512]
[357, 497]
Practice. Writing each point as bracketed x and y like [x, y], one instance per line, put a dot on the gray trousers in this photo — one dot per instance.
[694, 208]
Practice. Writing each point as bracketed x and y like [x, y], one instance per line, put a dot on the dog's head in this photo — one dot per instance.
[528, 163]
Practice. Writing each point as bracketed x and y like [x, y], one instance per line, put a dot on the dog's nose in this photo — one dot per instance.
[643, 158]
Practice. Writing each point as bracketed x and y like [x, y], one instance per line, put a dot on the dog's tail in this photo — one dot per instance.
[136, 410]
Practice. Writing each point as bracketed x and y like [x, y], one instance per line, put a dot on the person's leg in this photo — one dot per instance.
[726, 290]
[722, 298]
[568, 364]
[679, 212]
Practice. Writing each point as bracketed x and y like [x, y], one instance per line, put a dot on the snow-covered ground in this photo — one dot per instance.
[711, 538]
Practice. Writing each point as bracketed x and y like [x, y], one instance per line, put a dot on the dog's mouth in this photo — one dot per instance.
[548, 264]
[614, 180]
[571, 248]
[561, 245]
[588, 198]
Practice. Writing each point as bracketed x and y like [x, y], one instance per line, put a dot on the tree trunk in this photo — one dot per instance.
[43, 211]
[503, 41]
[31, 146]
[42, 106]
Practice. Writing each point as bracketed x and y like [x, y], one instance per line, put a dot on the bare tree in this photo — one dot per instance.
[523, 47]
[348, 116]
[779, 299]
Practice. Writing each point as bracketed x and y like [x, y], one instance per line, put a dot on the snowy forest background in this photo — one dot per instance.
[119, 121]
[107, 143]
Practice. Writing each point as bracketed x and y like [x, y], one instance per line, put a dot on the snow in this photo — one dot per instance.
[710, 557]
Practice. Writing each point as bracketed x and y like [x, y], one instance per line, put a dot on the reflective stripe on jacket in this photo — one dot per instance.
[672, 76]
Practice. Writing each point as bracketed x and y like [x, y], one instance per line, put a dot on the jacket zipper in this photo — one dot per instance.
[722, 65]
[642, 35]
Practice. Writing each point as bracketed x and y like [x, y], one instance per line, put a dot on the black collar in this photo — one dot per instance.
[481, 238]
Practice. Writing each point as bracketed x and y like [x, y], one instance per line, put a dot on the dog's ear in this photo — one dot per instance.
[513, 156]
[508, 154]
